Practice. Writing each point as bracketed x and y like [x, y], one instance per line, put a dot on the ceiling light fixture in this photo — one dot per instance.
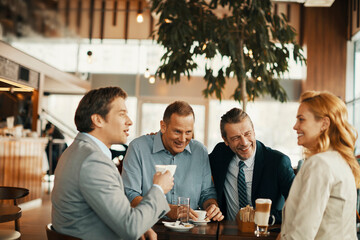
[139, 16]
[152, 80]
[318, 3]
[15, 87]
[147, 73]
[90, 58]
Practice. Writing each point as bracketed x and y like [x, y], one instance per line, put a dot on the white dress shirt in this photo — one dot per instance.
[231, 189]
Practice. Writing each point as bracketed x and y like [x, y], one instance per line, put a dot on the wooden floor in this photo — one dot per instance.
[33, 221]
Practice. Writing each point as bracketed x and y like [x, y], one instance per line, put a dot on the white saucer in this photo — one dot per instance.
[179, 228]
[200, 222]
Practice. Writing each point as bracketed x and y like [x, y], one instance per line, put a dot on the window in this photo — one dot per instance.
[153, 112]
[273, 123]
[353, 98]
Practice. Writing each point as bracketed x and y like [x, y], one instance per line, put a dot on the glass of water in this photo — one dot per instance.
[183, 209]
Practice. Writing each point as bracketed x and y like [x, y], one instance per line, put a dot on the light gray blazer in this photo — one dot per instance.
[88, 199]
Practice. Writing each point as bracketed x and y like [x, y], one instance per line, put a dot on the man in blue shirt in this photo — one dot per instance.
[172, 145]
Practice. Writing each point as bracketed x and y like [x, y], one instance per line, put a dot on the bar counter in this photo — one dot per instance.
[21, 164]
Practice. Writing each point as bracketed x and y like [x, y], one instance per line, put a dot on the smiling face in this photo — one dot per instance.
[177, 133]
[307, 127]
[115, 127]
[240, 137]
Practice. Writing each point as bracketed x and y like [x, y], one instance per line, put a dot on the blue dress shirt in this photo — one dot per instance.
[192, 177]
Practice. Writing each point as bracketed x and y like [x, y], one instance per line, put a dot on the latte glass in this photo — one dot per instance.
[262, 215]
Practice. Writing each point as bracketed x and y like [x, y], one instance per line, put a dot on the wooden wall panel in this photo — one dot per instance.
[111, 31]
[325, 32]
[354, 12]
[21, 165]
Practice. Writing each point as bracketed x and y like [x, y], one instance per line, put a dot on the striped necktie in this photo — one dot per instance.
[242, 186]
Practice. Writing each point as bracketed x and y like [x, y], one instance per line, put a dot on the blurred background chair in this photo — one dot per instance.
[118, 152]
[11, 212]
[54, 235]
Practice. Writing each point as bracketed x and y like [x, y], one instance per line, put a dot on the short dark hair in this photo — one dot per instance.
[96, 101]
[234, 115]
[179, 107]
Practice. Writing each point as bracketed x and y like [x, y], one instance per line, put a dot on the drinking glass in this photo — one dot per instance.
[183, 209]
[262, 214]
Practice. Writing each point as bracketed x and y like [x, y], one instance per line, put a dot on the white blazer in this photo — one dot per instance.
[322, 201]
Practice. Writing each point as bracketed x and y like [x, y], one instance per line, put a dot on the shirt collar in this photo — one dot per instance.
[100, 144]
[248, 162]
[159, 146]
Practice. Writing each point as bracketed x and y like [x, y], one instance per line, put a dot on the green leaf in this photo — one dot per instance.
[250, 23]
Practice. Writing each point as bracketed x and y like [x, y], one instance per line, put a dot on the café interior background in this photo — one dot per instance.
[71, 50]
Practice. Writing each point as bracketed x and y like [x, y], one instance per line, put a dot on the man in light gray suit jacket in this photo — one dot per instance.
[88, 199]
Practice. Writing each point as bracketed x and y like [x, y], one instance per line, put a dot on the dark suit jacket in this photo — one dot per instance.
[272, 176]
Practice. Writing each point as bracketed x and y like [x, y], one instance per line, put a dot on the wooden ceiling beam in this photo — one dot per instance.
[103, 7]
[91, 17]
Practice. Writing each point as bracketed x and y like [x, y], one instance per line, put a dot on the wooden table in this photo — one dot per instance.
[224, 230]
[228, 230]
[9, 213]
[209, 231]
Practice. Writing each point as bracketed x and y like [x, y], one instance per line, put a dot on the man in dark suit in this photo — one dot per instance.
[267, 172]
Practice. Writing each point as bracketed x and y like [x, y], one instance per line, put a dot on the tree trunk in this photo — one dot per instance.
[242, 76]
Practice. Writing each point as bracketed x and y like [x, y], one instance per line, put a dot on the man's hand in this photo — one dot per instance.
[149, 234]
[173, 213]
[213, 212]
[152, 133]
[193, 215]
[165, 181]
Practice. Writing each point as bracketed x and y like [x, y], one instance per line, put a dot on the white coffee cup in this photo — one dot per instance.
[201, 215]
[163, 168]
[10, 122]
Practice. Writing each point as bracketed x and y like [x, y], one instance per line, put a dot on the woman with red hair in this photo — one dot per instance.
[322, 200]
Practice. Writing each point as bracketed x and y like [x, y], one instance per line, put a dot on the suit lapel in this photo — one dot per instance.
[221, 160]
[225, 166]
[258, 168]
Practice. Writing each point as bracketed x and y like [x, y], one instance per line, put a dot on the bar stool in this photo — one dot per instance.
[11, 212]
[54, 235]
